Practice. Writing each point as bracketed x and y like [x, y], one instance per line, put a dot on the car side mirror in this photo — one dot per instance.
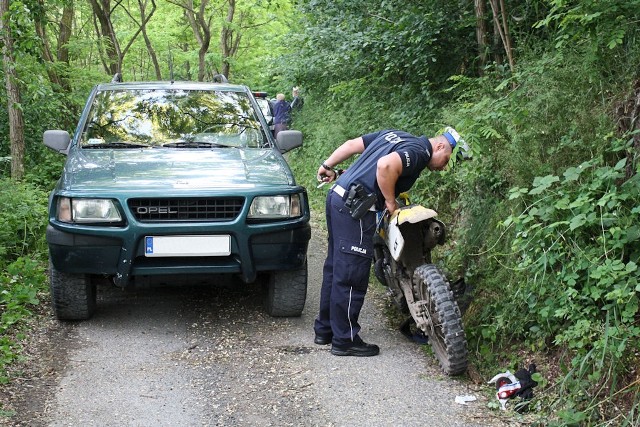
[287, 140]
[57, 140]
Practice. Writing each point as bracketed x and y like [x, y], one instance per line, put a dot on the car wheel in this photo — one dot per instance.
[287, 292]
[73, 296]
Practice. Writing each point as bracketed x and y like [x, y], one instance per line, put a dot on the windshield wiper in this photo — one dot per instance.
[193, 144]
[115, 145]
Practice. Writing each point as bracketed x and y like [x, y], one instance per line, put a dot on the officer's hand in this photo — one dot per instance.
[325, 175]
[391, 206]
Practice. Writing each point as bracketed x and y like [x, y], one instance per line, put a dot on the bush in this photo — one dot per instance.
[24, 219]
[578, 242]
[20, 285]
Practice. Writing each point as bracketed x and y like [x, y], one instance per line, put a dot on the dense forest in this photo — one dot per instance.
[543, 222]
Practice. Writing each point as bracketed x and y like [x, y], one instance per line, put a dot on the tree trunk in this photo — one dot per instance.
[106, 34]
[205, 27]
[201, 27]
[64, 35]
[100, 44]
[202, 65]
[500, 23]
[187, 64]
[507, 36]
[481, 34]
[40, 27]
[228, 44]
[16, 121]
[628, 114]
[143, 27]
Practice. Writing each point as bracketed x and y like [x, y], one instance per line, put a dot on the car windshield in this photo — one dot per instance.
[172, 118]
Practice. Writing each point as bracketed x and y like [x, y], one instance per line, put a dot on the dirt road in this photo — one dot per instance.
[187, 355]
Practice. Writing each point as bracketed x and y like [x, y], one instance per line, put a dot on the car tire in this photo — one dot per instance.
[286, 292]
[73, 296]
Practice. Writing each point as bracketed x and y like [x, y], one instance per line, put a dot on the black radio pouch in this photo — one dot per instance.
[358, 201]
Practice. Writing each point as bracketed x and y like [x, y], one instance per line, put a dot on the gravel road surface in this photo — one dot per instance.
[193, 355]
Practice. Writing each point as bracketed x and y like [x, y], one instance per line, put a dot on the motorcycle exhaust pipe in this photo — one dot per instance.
[435, 234]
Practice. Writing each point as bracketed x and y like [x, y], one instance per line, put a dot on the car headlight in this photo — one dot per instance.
[87, 210]
[275, 207]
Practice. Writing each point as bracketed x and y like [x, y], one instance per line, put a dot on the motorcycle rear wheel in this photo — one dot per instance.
[446, 333]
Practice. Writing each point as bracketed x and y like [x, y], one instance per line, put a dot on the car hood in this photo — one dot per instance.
[148, 169]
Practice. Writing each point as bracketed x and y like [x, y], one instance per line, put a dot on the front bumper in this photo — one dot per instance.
[119, 252]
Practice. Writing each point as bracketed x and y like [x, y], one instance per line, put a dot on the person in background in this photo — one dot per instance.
[298, 101]
[281, 114]
[390, 162]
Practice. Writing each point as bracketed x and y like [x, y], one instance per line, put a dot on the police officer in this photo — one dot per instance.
[390, 161]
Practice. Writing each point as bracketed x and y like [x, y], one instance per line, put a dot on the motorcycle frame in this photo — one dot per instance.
[410, 253]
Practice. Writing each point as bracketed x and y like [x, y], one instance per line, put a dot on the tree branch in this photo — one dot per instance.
[382, 18]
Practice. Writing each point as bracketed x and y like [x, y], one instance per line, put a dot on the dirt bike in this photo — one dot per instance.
[402, 262]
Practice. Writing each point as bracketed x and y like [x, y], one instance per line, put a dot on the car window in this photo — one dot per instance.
[171, 118]
[265, 106]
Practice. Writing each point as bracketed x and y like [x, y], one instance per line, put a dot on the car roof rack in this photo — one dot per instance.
[220, 78]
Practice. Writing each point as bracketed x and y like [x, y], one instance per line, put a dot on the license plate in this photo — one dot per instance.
[165, 246]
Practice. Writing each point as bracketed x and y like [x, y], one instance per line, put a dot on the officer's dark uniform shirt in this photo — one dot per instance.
[414, 151]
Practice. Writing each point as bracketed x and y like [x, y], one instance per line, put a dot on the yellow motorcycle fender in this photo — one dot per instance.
[406, 214]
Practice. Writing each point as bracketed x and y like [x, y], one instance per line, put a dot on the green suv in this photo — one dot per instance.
[175, 178]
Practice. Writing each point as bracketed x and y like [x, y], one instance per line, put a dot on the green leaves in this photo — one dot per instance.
[20, 285]
[577, 221]
[571, 417]
[540, 184]
[24, 220]
[572, 174]
[397, 46]
[578, 237]
[599, 22]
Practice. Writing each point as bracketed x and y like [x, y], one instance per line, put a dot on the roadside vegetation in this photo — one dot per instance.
[22, 260]
[543, 222]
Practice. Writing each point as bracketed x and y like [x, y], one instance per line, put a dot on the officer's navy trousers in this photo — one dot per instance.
[346, 272]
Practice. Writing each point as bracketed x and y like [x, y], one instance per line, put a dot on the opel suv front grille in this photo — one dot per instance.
[186, 209]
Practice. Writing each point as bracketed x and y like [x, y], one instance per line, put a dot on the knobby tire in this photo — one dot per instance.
[446, 335]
